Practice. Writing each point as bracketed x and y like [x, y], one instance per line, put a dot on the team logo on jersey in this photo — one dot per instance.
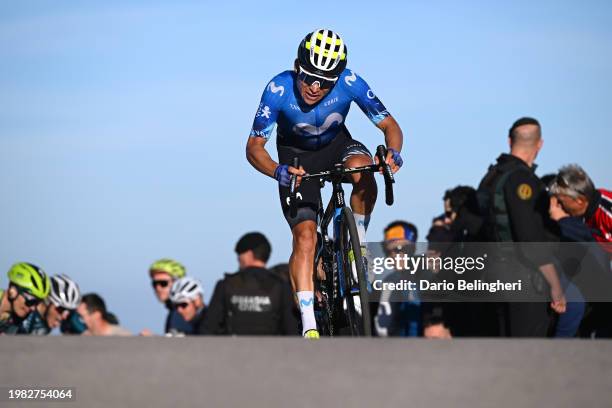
[276, 89]
[307, 129]
[350, 79]
[370, 94]
[265, 112]
[524, 191]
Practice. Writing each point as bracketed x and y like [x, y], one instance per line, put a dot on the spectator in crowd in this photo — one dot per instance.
[445, 218]
[96, 317]
[252, 301]
[187, 296]
[63, 298]
[164, 272]
[399, 312]
[577, 195]
[28, 286]
[435, 325]
[465, 220]
[570, 229]
[515, 205]
[73, 324]
[583, 219]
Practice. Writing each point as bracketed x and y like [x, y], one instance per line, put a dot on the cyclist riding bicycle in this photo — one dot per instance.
[309, 105]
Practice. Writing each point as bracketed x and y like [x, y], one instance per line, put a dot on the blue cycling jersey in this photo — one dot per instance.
[311, 127]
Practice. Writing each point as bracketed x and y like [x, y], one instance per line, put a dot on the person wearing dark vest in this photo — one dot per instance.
[254, 300]
[514, 203]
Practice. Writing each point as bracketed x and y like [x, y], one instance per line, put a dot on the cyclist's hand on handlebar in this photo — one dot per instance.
[393, 159]
[283, 174]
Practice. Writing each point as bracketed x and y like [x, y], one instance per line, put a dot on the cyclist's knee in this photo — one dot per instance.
[358, 160]
[364, 180]
[305, 237]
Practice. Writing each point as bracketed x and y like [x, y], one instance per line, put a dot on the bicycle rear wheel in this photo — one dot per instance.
[360, 324]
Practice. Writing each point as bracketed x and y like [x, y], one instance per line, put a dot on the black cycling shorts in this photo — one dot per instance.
[313, 161]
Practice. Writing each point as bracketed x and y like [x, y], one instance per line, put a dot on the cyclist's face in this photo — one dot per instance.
[311, 94]
[187, 310]
[55, 315]
[19, 303]
[162, 282]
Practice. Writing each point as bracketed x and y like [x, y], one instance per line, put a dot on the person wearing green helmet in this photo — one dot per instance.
[28, 286]
[164, 272]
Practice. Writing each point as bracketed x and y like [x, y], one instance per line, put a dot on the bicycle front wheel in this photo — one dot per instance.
[355, 279]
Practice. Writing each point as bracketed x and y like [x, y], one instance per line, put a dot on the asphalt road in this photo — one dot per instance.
[290, 372]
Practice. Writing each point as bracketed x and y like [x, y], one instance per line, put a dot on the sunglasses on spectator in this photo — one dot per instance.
[162, 283]
[309, 78]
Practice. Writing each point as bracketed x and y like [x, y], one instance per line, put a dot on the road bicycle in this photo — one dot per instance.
[340, 267]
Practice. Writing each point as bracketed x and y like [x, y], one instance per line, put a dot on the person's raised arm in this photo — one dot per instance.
[394, 140]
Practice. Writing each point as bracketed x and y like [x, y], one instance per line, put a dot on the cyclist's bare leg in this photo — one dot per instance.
[301, 262]
[301, 267]
[364, 192]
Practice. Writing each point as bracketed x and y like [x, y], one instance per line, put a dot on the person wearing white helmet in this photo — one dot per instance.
[63, 299]
[187, 296]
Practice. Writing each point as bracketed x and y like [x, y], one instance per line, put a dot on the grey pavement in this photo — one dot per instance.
[292, 372]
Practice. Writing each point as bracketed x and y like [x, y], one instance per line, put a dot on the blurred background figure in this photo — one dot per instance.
[28, 286]
[252, 301]
[584, 214]
[577, 195]
[446, 217]
[164, 272]
[465, 219]
[399, 312]
[282, 271]
[435, 325]
[187, 297]
[97, 318]
[64, 297]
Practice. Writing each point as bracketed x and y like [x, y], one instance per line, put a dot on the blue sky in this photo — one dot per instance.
[123, 124]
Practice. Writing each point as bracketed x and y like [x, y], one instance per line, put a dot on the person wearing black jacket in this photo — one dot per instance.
[252, 301]
[515, 204]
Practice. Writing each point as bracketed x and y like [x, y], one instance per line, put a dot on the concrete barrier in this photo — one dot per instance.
[291, 372]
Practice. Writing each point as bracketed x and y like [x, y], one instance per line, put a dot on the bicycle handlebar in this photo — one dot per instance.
[381, 154]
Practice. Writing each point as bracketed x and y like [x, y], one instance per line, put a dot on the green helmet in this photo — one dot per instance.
[30, 278]
[170, 266]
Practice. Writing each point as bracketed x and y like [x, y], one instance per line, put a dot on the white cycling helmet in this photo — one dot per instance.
[64, 292]
[186, 289]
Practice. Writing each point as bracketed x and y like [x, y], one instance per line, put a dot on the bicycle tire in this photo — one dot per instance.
[364, 322]
[324, 308]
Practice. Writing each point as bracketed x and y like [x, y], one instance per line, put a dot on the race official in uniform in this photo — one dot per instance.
[515, 204]
[254, 300]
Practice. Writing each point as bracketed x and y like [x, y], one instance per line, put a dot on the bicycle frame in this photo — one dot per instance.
[333, 214]
[336, 273]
